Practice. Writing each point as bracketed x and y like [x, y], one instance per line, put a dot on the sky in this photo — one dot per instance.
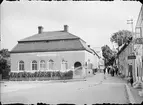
[93, 21]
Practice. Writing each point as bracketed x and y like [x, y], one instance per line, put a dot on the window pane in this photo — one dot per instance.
[21, 65]
[42, 64]
[35, 66]
[32, 66]
[51, 64]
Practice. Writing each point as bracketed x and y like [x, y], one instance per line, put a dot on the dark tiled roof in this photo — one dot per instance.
[53, 35]
[51, 41]
[60, 45]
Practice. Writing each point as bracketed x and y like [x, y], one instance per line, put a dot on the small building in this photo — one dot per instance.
[52, 51]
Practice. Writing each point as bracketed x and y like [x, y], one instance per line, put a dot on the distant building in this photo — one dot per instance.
[100, 60]
[54, 50]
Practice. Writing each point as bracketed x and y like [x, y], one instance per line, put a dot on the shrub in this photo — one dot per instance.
[38, 74]
[66, 75]
[48, 74]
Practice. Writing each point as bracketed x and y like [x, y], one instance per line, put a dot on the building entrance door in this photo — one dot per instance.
[130, 69]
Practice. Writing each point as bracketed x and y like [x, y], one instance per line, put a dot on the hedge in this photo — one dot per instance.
[40, 75]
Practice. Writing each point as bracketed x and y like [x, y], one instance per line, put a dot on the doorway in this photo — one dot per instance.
[130, 68]
[77, 64]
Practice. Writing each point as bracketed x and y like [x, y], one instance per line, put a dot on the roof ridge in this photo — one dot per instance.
[50, 35]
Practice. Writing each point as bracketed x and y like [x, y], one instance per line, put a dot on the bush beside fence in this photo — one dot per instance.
[40, 75]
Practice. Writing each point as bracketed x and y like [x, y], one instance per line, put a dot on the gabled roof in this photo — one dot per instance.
[53, 35]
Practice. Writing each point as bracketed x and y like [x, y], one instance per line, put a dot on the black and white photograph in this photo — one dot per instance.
[71, 52]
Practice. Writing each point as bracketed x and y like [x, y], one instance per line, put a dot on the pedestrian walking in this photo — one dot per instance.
[113, 71]
[108, 69]
[116, 70]
[104, 70]
[131, 80]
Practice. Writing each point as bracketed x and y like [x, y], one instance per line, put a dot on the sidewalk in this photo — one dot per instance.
[135, 92]
[132, 93]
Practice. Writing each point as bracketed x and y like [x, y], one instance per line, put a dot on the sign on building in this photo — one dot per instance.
[139, 41]
[132, 56]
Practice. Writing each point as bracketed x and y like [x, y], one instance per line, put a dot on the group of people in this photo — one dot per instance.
[111, 70]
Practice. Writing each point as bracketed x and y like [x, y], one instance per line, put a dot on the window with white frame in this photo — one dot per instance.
[21, 65]
[51, 64]
[42, 65]
[34, 65]
[64, 65]
[138, 32]
[47, 68]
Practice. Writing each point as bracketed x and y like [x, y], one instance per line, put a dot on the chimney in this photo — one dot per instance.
[66, 28]
[88, 45]
[40, 29]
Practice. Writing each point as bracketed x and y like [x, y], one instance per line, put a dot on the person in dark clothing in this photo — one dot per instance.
[131, 80]
[113, 71]
[104, 70]
[116, 70]
[108, 70]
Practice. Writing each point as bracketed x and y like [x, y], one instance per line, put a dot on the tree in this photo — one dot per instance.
[121, 37]
[4, 68]
[4, 53]
[4, 63]
[108, 54]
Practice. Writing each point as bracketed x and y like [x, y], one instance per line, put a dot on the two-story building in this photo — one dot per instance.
[51, 51]
[138, 46]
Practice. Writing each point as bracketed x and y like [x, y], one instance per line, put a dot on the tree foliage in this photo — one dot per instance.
[107, 52]
[108, 55]
[121, 37]
[4, 53]
[4, 63]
